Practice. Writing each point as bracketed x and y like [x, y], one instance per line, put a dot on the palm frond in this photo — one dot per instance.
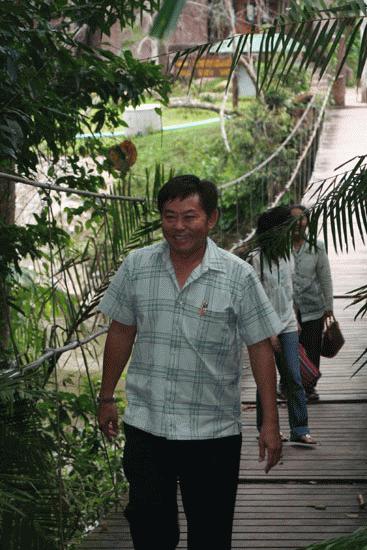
[167, 17]
[363, 354]
[338, 201]
[307, 34]
[359, 295]
[30, 494]
[356, 540]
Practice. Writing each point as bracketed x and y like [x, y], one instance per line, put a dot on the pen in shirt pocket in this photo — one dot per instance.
[203, 308]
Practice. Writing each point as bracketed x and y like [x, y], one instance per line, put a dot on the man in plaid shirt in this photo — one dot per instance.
[182, 309]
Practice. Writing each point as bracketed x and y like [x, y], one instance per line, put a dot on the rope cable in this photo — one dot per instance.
[295, 170]
[276, 152]
[59, 188]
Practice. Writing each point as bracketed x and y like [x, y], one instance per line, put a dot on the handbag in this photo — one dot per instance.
[309, 372]
[332, 337]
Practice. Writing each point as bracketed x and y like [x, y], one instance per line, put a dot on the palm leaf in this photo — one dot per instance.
[359, 295]
[30, 494]
[167, 17]
[309, 34]
[236, 56]
[363, 354]
[356, 540]
[350, 39]
[286, 40]
[362, 54]
[338, 201]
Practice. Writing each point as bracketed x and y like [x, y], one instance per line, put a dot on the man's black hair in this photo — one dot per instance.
[181, 187]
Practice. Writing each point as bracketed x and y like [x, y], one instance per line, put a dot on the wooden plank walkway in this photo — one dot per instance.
[312, 494]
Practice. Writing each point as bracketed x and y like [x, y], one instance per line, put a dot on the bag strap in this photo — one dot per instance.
[329, 320]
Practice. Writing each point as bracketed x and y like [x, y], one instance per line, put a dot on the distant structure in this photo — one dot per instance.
[200, 21]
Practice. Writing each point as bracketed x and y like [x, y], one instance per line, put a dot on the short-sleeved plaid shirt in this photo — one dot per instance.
[183, 380]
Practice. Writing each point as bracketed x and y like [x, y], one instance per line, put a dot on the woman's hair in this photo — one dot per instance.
[272, 235]
[275, 217]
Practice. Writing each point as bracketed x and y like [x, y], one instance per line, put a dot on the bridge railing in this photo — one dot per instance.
[283, 176]
[75, 284]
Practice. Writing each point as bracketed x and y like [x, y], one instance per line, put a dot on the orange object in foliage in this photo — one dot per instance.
[123, 156]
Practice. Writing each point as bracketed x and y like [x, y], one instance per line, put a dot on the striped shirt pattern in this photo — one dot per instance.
[183, 380]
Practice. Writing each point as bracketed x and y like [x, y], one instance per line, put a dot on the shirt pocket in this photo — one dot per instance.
[209, 322]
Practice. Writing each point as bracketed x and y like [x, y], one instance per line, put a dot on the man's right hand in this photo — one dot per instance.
[275, 344]
[270, 441]
[108, 419]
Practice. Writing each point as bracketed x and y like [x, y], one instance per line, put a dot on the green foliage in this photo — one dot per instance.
[91, 470]
[72, 476]
[33, 304]
[307, 34]
[57, 297]
[30, 498]
[341, 204]
[17, 242]
[49, 83]
[355, 541]
[53, 80]
[254, 138]
[57, 476]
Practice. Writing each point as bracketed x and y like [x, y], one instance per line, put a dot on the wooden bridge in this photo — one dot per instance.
[313, 493]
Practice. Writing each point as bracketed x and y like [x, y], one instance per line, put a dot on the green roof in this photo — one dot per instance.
[228, 46]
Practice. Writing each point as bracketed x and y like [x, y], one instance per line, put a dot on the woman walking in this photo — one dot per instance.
[275, 273]
[313, 289]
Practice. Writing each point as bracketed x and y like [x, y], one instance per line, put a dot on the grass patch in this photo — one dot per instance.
[181, 115]
[200, 150]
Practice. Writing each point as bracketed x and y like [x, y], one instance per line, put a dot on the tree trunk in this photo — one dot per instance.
[235, 91]
[163, 56]
[340, 83]
[7, 216]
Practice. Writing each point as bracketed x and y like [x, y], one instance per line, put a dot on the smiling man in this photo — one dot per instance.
[183, 309]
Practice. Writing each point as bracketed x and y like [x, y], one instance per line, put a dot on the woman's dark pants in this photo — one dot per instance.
[310, 338]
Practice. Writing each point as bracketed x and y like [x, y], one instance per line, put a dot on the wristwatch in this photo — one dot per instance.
[106, 399]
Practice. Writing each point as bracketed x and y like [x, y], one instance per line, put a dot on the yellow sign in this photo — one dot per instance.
[210, 66]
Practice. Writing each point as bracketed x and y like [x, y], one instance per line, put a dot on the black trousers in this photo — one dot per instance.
[207, 471]
[310, 338]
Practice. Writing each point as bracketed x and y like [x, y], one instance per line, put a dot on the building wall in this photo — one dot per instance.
[192, 29]
[192, 26]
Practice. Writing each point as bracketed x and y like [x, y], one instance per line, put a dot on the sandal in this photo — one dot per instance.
[305, 439]
[312, 396]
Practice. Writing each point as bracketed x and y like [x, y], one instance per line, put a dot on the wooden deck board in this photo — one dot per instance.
[279, 511]
[268, 516]
[337, 381]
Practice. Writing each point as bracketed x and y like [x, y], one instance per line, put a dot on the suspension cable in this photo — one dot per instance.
[276, 152]
[59, 188]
